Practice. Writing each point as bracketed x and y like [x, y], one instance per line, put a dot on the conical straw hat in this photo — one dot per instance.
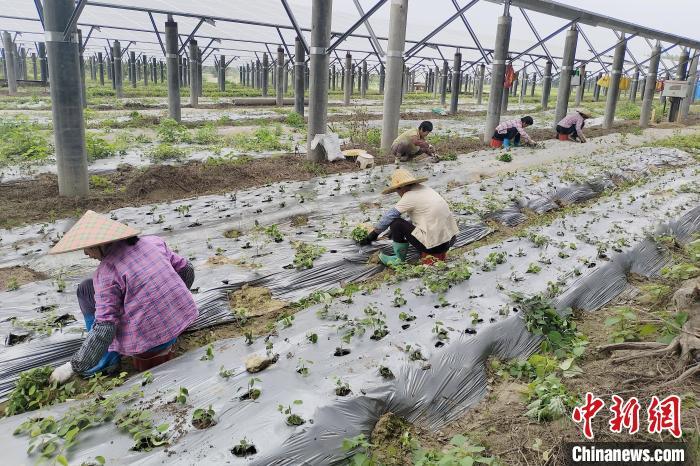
[91, 230]
[401, 178]
[584, 112]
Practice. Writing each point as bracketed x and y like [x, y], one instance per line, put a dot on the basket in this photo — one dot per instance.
[150, 359]
[563, 137]
[496, 143]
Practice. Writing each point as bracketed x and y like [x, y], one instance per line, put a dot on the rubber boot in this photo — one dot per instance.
[506, 143]
[399, 257]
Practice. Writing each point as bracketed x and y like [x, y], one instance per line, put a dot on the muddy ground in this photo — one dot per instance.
[37, 200]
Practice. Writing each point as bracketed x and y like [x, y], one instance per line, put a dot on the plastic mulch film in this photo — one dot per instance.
[198, 227]
[435, 380]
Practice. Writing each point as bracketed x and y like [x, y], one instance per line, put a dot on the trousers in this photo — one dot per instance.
[400, 231]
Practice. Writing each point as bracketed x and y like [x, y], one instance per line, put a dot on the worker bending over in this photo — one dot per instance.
[572, 125]
[432, 228]
[137, 303]
[413, 142]
[514, 130]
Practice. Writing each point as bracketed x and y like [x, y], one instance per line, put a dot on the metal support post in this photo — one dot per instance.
[299, 63]
[100, 68]
[222, 73]
[348, 79]
[692, 79]
[81, 62]
[44, 65]
[581, 85]
[280, 76]
[480, 84]
[365, 75]
[265, 73]
[174, 67]
[533, 82]
[382, 79]
[34, 74]
[394, 73]
[456, 78]
[117, 68]
[10, 68]
[194, 94]
[635, 84]
[567, 66]
[321, 13]
[650, 86]
[443, 82]
[523, 87]
[132, 68]
[67, 111]
[614, 87]
[681, 71]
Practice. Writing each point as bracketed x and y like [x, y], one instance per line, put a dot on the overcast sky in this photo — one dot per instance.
[676, 16]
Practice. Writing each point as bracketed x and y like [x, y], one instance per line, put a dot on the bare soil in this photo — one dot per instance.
[18, 276]
[37, 200]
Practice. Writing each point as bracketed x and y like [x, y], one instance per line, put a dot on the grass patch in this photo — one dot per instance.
[20, 141]
[295, 120]
[165, 151]
[100, 148]
[263, 139]
[171, 132]
[686, 142]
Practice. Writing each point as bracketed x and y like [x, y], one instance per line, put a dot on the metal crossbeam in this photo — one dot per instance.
[471, 33]
[608, 49]
[87, 38]
[209, 45]
[74, 18]
[590, 46]
[189, 38]
[296, 26]
[560, 10]
[564, 27]
[40, 12]
[537, 35]
[155, 29]
[662, 52]
[435, 31]
[284, 43]
[374, 41]
[357, 24]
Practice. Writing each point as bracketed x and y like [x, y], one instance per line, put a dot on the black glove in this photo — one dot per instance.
[372, 236]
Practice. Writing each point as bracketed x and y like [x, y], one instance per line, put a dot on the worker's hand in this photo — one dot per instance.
[372, 236]
[62, 373]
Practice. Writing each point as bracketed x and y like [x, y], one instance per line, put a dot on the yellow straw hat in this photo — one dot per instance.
[401, 178]
[92, 230]
[585, 113]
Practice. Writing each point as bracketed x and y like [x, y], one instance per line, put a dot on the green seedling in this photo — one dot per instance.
[312, 338]
[533, 268]
[203, 418]
[399, 300]
[302, 368]
[226, 373]
[290, 418]
[342, 388]
[209, 354]
[182, 395]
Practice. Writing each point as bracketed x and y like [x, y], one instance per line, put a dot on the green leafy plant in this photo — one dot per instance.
[505, 157]
[399, 300]
[533, 268]
[209, 353]
[548, 399]
[624, 325]
[12, 284]
[274, 232]
[146, 378]
[171, 132]
[295, 120]
[97, 147]
[166, 151]
[203, 418]
[359, 233]
[139, 424]
[342, 388]
[682, 271]
[253, 392]
[305, 254]
[20, 142]
[244, 448]
[182, 395]
[361, 447]
[290, 418]
[302, 368]
[34, 390]
[312, 337]
[226, 373]
[460, 452]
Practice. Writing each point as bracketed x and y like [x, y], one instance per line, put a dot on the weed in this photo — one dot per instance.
[20, 141]
[624, 324]
[12, 284]
[359, 233]
[295, 120]
[166, 151]
[361, 447]
[102, 183]
[171, 132]
[206, 135]
[548, 399]
[263, 139]
[682, 271]
[34, 390]
[98, 148]
[460, 452]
